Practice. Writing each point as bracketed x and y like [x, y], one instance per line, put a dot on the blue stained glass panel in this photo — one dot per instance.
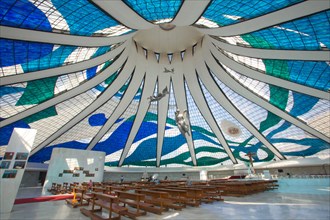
[226, 12]
[54, 59]
[286, 132]
[310, 73]
[23, 14]
[316, 27]
[91, 72]
[302, 104]
[6, 90]
[6, 131]
[154, 10]
[20, 52]
[45, 153]
[83, 17]
[313, 30]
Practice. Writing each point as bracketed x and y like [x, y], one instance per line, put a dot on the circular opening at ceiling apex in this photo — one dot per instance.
[162, 41]
[167, 26]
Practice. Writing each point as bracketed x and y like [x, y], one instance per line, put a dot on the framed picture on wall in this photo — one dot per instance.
[67, 171]
[8, 155]
[5, 164]
[9, 174]
[21, 156]
[19, 165]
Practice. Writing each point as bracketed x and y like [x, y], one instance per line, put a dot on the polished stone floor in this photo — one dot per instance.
[274, 204]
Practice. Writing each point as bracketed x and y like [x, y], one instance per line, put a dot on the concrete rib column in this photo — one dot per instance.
[190, 12]
[71, 93]
[125, 73]
[241, 90]
[309, 55]
[163, 81]
[218, 95]
[198, 96]
[148, 90]
[62, 70]
[181, 99]
[265, 77]
[58, 38]
[128, 96]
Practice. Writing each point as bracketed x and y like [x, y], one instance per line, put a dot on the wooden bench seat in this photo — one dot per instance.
[159, 198]
[148, 207]
[271, 184]
[107, 202]
[57, 190]
[90, 214]
[244, 187]
[193, 195]
[211, 193]
[52, 189]
[134, 200]
[138, 201]
[110, 189]
[82, 198]
[179, 197]
[99, 189]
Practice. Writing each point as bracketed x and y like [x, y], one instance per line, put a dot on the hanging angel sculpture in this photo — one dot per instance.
[159, 96]
[181, 121]
[168, 71]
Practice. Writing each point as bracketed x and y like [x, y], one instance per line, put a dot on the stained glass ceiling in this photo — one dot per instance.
[167, 83]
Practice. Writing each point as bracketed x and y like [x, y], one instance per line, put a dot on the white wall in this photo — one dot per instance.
[294, 166]
[21, 141]
[63, 159]
[136, 176]
[30, 178]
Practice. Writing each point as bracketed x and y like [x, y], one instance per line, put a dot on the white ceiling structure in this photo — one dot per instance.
[110, 76]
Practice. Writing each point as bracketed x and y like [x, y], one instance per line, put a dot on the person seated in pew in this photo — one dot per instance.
[188, 181]
[90, 185]
[156, 181]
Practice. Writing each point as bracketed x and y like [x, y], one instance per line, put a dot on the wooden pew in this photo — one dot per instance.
[235, 188]
[65, 188]
[159, 198]
[99, 189]
[193, 196]
[58, 189]
[70, 188]
[178, 196]
[81, 197]
[110, 189]
[131, 199]
[137, 201]
[97, 184]
[272, 184]
[107, 202]
[212, 193]
[243, 187]
[52, 189]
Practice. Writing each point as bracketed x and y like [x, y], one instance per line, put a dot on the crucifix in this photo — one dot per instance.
[250, 155]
